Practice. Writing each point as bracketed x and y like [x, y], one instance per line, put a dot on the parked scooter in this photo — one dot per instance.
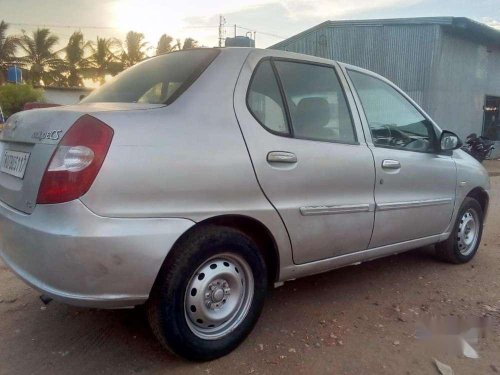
[479, 147]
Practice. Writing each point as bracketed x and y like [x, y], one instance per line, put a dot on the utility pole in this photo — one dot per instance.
[235, 30]
[222, 29]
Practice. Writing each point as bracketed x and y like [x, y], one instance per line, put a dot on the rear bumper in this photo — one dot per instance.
[72, 255]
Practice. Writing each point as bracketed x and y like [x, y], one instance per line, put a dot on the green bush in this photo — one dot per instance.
[13, 97]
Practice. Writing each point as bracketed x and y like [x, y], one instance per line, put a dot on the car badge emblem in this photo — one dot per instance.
[52, 135]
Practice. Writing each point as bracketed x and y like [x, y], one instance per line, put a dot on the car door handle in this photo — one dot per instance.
[391, 164]
[281, 157]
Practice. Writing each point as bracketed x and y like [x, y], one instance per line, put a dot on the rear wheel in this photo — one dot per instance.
[209, 294]
[464, 241]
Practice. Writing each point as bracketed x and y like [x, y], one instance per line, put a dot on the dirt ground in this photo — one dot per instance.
[357, 320]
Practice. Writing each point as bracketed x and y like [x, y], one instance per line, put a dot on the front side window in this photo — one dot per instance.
[394, 122]
[157, 80]
[264, 99]
[316, 101]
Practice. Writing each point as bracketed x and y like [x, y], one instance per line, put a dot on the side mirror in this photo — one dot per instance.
[449, 141]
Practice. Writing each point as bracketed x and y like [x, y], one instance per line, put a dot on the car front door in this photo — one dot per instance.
[415, 183]
[309, 154]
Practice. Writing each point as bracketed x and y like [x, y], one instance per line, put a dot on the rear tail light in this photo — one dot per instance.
[76, 161]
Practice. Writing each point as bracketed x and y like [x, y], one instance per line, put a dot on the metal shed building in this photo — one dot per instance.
[448, 65]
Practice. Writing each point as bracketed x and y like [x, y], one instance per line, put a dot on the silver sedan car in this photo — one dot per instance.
[195, 180]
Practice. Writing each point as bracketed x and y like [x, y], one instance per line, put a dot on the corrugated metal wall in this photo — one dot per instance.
[402, 53]
[464, 73]
[447, 75]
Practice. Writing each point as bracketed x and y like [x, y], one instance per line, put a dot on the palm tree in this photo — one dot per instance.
[76, 63]
[134, 49]
[177, 45]
[103, 60]
[189, 43]
[165, 44]
[43, 63]
[8, 45]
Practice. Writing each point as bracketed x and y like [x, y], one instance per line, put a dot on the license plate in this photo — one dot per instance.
[14, 162]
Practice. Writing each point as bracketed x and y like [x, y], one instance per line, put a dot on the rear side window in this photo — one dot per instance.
[159, 80]
[316, 101]
[264, 100]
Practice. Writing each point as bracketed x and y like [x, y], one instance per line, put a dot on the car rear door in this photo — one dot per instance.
[309, 153]
[415, 185]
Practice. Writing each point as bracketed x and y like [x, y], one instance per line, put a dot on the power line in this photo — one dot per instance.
[95, 27]
[261, 32]
[221, 28]
[62, 26]
[55, 26]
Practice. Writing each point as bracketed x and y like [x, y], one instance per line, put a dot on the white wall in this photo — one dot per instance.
[62, 96]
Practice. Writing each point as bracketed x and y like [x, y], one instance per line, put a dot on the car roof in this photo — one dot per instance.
[282, 54]
[277, 53]
[293, 55]
[296, 56]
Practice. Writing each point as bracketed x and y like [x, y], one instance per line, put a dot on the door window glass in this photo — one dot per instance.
[318, 107]
[394, 122]
[264, 99]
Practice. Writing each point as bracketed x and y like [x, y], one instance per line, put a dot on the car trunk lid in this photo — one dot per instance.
[28, 141]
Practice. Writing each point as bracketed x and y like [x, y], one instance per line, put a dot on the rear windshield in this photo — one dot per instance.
[159, 80]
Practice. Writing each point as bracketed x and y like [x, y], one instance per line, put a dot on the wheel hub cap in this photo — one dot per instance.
[217, 294]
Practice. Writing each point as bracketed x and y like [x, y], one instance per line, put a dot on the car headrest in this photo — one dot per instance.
[312, 112]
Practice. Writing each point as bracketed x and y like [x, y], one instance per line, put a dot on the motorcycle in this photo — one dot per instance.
[478, 147]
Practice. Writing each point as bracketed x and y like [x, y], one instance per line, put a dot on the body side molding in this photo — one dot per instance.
[413, 204]
[336, 209]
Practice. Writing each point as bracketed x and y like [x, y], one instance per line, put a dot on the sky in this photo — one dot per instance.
[273, 20]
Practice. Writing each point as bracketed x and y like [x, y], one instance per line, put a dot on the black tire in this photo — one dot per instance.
[166, 307]
[449, 250]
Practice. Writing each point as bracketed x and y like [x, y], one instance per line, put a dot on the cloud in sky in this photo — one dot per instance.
[197, 13]
[199, 18]
[492, 22]
[338, 8]
[282, 18]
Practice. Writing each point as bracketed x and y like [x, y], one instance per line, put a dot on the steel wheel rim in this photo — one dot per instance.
[468, 232]
[218, 296]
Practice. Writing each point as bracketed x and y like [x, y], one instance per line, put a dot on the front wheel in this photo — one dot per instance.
[209, 294]
[464, 241]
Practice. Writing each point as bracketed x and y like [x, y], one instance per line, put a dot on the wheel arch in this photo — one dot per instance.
[251, 227]
[480, 195]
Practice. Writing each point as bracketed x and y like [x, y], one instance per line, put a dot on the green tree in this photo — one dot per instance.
[77, 65]
[42, 62]
[103, 59]
[8, 45]
[165, 44]
[14, 97]
[134, 49]
[189, 43]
